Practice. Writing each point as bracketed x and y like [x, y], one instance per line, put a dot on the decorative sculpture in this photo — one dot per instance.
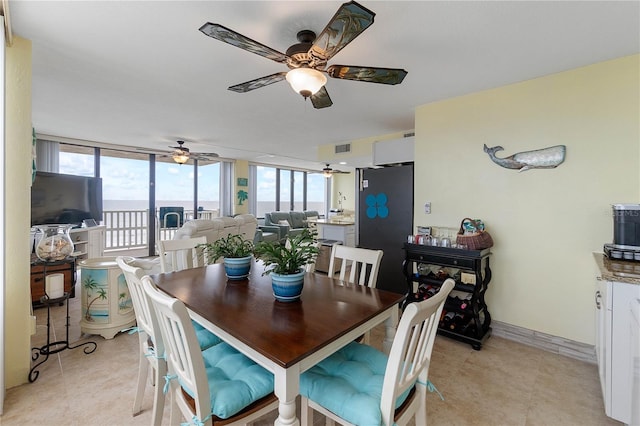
[546, 158]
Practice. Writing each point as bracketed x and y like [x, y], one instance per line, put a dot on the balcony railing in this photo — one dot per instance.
[129, 229]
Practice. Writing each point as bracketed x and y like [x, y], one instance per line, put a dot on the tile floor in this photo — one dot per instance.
[506, 383]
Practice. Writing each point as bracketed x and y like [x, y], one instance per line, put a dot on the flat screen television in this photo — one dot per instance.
[58, 198]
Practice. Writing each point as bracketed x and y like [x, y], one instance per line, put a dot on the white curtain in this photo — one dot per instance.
[47, 156]
[226, 188]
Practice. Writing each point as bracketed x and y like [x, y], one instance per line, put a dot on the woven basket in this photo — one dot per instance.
[479, 240]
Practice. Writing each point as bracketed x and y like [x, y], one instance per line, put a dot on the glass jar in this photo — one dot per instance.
[54, 242]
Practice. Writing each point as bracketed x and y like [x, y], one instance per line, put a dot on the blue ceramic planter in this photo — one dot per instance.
[237, 268]
[287, 288]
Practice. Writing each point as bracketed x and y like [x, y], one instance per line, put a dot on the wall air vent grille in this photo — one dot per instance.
[340, 149]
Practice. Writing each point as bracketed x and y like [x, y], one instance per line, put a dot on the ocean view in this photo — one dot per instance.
[263, 206]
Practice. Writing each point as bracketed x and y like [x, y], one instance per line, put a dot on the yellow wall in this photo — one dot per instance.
[345, 184]
[360, 148]
[241, 170]
[545, 223]
[17, 169]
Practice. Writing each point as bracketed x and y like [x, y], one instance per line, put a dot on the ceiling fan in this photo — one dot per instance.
[328, 172]
[308, 58]
[181, 154]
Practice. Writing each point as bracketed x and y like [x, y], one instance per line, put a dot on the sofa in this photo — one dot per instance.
[287, 224]
[219, 227]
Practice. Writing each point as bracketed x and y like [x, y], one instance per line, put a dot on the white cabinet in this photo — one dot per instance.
[613, 346]
[343, 232]
[88, 243]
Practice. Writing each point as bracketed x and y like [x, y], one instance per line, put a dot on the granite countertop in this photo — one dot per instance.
[343, 222]
[618, 270]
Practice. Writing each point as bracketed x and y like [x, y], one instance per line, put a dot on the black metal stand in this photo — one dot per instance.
[50, 347]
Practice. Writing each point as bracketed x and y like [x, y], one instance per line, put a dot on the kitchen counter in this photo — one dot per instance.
[339, 230]
[618, 270]
[338, 222]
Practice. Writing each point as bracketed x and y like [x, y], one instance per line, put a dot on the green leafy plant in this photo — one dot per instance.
[299, 251]
[233, 246]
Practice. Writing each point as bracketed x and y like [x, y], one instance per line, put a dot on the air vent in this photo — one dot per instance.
[340, 149]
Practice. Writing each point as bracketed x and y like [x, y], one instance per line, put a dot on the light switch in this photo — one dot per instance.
[427, 207]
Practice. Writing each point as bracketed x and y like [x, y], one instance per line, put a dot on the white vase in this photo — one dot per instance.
[54, 242]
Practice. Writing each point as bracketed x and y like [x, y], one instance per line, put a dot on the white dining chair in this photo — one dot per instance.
[359, 385]
[151, 353]
[355, 263]
[176, 255]
[217, 385]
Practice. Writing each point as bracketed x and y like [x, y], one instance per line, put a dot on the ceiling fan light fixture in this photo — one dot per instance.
[180, 156]
[306, 81]
[327, 174]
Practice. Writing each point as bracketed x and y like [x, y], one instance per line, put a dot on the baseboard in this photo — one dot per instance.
[547, 342]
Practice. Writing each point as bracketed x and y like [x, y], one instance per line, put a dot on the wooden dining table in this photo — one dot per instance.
[285, 338]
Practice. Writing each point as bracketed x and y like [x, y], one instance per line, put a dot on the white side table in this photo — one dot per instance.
[107, 308]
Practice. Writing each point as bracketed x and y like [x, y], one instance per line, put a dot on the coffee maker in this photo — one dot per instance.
[626, 233]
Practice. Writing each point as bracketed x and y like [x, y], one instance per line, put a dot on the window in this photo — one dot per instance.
[209, 186]
[76, 160]
[316, 192]
[125, 194]
[265, 190]
[286, 189]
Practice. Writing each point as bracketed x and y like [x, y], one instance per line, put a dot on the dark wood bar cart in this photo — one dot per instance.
[39, 271]
[465, 316]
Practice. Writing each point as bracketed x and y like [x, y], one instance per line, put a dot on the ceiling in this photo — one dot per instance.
[139, 73]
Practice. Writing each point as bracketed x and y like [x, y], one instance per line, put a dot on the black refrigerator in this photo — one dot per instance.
[385, 219]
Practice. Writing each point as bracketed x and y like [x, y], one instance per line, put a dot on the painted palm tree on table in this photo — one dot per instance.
[91, 285]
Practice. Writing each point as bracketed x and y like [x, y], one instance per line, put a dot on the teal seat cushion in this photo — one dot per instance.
[235, 381]
[205, 337]
[349, 384]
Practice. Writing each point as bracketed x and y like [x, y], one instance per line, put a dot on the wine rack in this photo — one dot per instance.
[465, 315]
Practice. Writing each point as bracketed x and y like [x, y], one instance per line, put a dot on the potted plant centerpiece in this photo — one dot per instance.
[236, 253]
[285, 263]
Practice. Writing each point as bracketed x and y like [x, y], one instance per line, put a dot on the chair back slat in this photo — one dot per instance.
[410, 354]
[176, 255]
[184, 359]
[145, 319]
[150, 342]
[359, 263]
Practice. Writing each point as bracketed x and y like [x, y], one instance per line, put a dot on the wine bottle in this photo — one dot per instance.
[457, 321]
[431, 291]
[448, 319]
[465, 304]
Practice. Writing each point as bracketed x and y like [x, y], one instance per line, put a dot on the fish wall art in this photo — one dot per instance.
[546, 158]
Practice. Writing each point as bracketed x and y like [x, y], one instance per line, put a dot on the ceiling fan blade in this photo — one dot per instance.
[258, 82]
[233, 38]
[368, 74]
[350, 21]
[321, 99]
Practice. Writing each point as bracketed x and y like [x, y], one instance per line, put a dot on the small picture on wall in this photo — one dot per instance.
[243, 182]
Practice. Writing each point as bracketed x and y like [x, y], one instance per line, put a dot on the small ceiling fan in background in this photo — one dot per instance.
[181, 154]
[308, 58]
[328, 172]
